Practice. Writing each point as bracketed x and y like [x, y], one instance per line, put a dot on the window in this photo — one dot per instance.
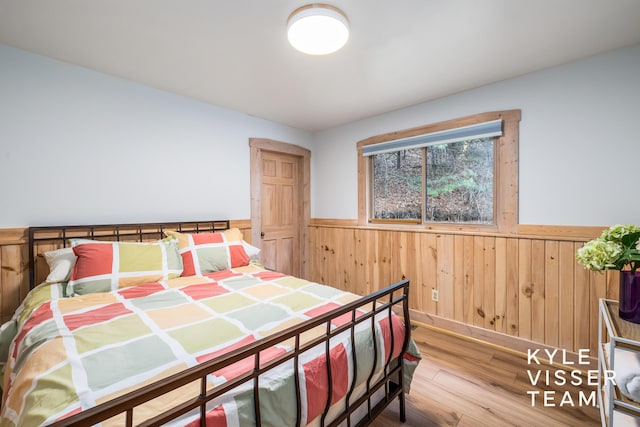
[459, 172]
[441, 183]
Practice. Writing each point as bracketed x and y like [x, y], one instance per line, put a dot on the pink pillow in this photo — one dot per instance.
[208, 252]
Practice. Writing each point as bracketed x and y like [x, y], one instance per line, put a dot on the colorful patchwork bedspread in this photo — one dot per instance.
[69, 354]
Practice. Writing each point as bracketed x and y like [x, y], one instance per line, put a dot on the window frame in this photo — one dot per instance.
[505, 207]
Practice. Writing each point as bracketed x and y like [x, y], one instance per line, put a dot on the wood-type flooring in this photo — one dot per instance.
[462, 383]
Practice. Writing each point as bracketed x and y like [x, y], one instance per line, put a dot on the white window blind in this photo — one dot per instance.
[475, 131]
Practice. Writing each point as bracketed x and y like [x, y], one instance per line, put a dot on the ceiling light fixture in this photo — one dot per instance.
[317, 29]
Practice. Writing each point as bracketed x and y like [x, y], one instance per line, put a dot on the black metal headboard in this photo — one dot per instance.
[44, 238]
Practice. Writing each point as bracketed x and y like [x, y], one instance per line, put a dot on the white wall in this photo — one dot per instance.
[77, 146]
[579, 142]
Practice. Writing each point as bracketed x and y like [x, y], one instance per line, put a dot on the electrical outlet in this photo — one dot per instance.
[434, 295]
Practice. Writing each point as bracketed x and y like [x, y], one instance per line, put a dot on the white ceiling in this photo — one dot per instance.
[234, 53]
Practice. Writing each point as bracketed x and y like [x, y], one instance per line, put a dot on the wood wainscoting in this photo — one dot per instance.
[14, 270]
[14, 265]
[515, 291]
[518, 291]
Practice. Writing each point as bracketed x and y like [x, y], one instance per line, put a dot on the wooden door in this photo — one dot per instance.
[280, 226]
[280, 204]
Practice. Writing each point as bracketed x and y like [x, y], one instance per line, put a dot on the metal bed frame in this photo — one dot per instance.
[380, 389]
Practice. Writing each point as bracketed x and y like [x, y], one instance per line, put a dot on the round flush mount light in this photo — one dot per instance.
[317, 29]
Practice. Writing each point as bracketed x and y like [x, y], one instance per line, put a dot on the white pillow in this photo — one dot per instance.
[251, 250]
[61, 262]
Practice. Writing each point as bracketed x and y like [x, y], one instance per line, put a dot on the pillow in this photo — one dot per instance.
[105, 266]
[208, 252]
[60, 262]
[252, 251]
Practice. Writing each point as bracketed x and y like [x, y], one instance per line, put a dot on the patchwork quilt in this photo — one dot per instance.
[66, 354]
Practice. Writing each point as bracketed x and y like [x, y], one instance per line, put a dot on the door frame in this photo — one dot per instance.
[257, 146]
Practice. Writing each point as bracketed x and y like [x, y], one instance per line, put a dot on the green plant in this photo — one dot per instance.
[617, 247]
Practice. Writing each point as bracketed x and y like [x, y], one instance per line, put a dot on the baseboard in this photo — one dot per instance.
[519, 346]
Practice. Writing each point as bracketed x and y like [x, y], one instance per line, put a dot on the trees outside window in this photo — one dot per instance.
[440, 183]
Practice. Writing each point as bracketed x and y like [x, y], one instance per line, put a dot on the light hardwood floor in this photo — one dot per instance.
[466, 383]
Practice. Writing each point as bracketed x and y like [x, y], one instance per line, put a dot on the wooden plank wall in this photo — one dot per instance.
[527, 287]
[14, 270]
[14, 266]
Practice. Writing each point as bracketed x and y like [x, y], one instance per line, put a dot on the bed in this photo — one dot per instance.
[175, 324]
